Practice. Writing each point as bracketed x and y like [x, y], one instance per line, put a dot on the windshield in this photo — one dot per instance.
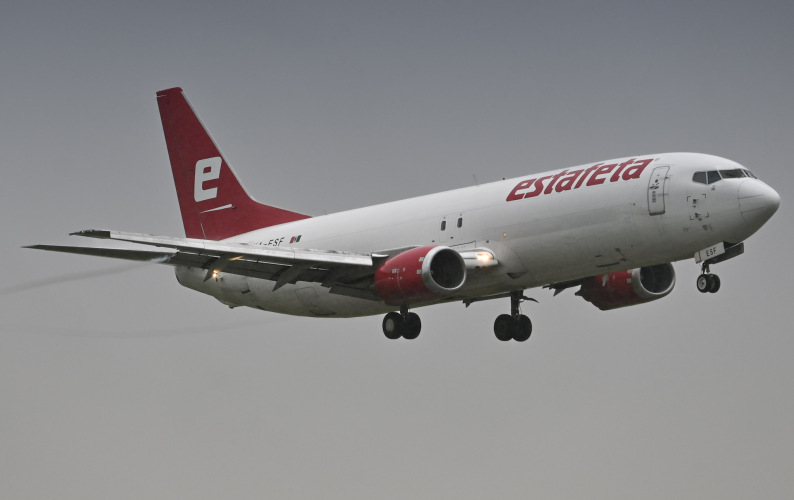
[732, 174]
[713, 176]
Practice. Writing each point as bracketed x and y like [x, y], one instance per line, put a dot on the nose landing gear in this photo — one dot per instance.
[515, 325]
[707, 282]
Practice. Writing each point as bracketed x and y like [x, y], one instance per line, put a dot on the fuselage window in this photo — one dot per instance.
[750, 174]
[443, 225]
[700, 177]
[714, 176]
[460, 221]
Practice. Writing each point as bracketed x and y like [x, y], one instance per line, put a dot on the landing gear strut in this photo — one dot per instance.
[402, 324]
[707, 282]
[515, 325]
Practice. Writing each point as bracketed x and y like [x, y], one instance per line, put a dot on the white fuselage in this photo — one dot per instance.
[563, 225]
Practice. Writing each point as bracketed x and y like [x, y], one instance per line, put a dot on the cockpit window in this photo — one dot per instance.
[713, 176]
[709, 177]
[732, 174]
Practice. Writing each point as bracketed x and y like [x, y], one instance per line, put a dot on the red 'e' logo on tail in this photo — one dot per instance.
[207, 169]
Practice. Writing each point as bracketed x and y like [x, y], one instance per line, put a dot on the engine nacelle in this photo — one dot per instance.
[419, 275]
[628, 288]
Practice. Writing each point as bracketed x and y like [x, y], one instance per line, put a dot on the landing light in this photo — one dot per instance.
[479, 257]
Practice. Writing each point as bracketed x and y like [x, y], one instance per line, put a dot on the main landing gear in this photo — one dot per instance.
[515, 325]
[707, 282]
[402, 324]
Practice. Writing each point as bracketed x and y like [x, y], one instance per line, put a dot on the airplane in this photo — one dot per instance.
[611, 228]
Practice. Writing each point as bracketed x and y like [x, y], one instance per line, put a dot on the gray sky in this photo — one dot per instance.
[124, 385]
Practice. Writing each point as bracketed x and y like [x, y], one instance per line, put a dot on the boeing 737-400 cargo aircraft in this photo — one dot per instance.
[611, 228]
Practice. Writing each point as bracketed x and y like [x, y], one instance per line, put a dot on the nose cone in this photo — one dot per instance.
[757, 202]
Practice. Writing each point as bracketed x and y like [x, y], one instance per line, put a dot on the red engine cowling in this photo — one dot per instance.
[419, 275]
[628, 288]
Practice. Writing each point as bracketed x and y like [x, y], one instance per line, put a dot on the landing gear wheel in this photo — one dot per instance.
[704, 283]
[715, 283]
[393, 326]
[514, 325]
[412, 325]
[401, 324]
[523, 329]
[504, 327]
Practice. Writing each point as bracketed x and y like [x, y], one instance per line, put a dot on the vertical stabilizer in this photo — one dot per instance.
[213, 203]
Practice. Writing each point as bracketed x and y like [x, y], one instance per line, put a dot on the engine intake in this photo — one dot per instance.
[628, 288]
[420, 274]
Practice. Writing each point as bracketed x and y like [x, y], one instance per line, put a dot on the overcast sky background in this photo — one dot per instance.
[124, 385]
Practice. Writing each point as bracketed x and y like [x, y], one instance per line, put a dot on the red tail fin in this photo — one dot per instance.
[214, 204]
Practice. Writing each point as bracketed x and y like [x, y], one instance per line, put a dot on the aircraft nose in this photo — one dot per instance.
[757, 201]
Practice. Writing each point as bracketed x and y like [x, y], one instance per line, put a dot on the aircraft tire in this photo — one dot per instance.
[504, 327]
[715, 283]
[704, 283]
[523, 329]
[393, 325]
[412, 326]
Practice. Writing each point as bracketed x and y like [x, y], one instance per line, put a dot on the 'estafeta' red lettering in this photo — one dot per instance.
[623, 165]
[553, 180]
[586, 173]
[566, 180]
[634, 171]
[515, 195]
[594, 180]
[538, 187]
[566, 183]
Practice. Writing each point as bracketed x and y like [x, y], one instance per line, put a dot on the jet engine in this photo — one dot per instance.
[420, 274]
[628, 288]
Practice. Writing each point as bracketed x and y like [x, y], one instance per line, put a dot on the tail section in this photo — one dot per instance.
[213, 203]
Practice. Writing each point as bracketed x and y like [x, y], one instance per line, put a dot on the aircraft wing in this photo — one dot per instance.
[115, 253]
[343, 272]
